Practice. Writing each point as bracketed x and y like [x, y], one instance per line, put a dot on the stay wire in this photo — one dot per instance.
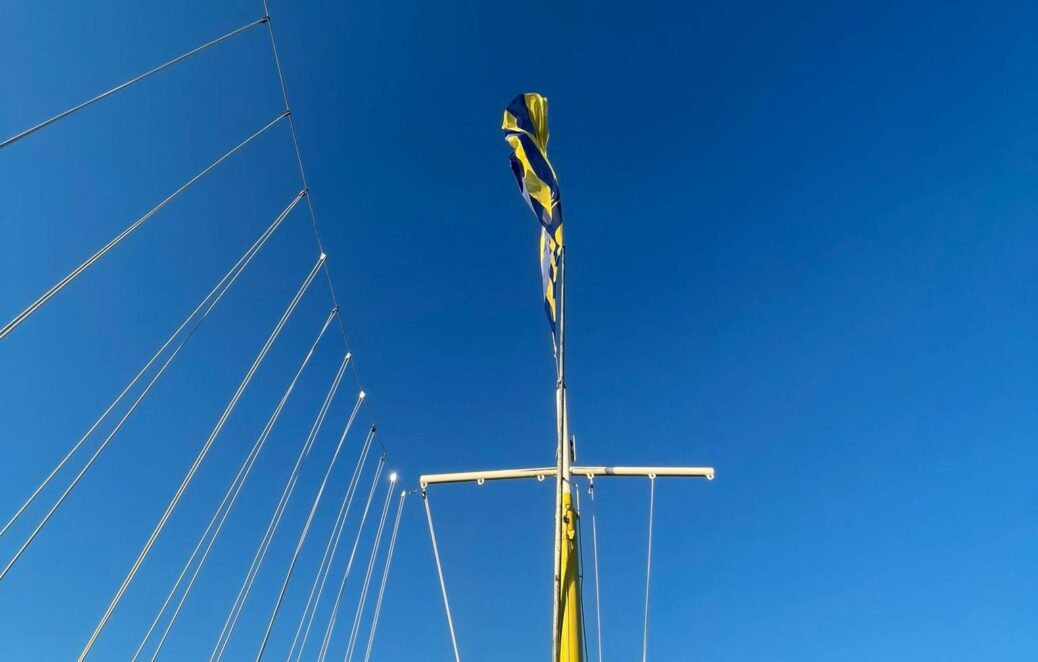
[306, 528]
[310, 205]
[65, 113]
[580, 570]
[594, 545]
[244, 259]
[225, 506]
[385, 576]
[199, 458]
[329, 628]
[275, 519]
[648, 570]
[321, 578]
[355, 630]
[220, 290]
[115, 241]
[439, 572]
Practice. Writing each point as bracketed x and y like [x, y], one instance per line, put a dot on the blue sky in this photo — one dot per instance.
[801, 249]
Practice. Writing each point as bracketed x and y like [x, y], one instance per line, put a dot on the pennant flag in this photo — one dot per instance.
[526, 130]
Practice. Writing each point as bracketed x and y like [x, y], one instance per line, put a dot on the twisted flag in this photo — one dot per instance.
[526, 130]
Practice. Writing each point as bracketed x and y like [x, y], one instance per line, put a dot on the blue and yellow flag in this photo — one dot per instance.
[526, 129]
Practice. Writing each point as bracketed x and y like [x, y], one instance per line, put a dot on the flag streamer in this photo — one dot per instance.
[525, 125]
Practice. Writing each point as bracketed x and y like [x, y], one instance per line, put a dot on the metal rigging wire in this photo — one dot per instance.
[648, 569]
[349, 563]
[220, 290]
[594, 547]
[324, 569]
[225, 506]
[306, 528]
[275, 519]
[310, 205]
[115, 241]
[371, 568]
[385, 576]
[199, 458]
[65, 113]
[225, 284]
[439, 572]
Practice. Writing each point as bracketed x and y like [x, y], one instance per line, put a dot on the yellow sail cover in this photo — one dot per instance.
[570, 637]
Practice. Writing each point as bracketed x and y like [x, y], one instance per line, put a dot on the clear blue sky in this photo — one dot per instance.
[802, 249]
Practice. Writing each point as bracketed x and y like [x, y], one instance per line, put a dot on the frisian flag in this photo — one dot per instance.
[526, 129]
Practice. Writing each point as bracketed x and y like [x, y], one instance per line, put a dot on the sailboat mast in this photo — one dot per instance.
[567, 635]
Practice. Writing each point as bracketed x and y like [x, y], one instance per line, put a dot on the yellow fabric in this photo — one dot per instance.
[550, 265]
[571, 633]
[509, 123]
[537, 108]
[535, 186]
[525, 123]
